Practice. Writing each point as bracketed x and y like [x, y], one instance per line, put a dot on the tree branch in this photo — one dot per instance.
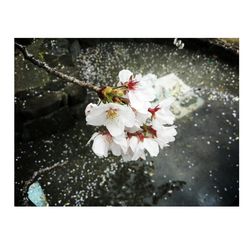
[53, 71]
[35, 175]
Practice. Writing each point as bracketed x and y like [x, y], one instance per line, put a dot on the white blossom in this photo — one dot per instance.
[89, 107]
[165, 135]
[133, 127]
[112, 115]
[140, 119]
[139, 94]
[137, 146]
[161, 114]
[103, 142]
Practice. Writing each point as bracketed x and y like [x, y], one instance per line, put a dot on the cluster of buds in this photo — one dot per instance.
[129, 125]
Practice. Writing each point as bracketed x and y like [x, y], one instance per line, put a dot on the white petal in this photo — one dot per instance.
[133, 129]
[166, 135]
[138, 77]
[165, 117]
[122, 142]
[97, 110]
[89, 107]
[97, 116]
[169, 131]
[146, 94]
[96, 120]
[151, 146]
[137, 154]
[148, 80]
[116, 149]
[115, 127]
[124, 75]
[133, 143]
[127, 116]
[141, 118]
[138, 104]
[100, 146]
[143, 156]
[92, 137]
[128, 156]
[156, 124]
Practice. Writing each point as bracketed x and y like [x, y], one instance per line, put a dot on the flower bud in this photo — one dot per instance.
[107, 90]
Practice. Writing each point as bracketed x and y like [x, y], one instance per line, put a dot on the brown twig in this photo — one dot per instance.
[55, 72]
[35, 175]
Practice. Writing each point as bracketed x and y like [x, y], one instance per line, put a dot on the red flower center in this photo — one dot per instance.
[141, 137]
[132, 84]
[154, 110]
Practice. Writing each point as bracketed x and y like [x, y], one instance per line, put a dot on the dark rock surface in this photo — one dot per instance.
[54, 122]
[76, 94]
[42, 104]
[41, 100]
[75, 49]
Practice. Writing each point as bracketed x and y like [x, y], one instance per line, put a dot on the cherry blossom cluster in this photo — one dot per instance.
[129, 125]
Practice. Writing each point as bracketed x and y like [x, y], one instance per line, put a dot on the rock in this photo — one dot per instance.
[189, 100]
[46, 125]
[88, 42]
[28, 76]
[40, 112]
[36, 195]
[55, 61]
[57, 47]
[78, 110]
[43, 104]
[66, 60]
[75, 49]
[24, 41]
[58, 53]
[76, 94]
[186, 101]
[25, 94]
[18, 124]
[55, 85]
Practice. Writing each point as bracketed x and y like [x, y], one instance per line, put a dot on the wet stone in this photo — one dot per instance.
[76, 94]
[78, 110]
[188, 101]
[45, 125]
[42, 104]
[75, 49]
[57, 47]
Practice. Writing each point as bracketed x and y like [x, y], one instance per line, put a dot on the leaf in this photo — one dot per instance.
[36, 195]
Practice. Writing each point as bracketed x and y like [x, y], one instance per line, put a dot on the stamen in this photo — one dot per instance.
[111, 113]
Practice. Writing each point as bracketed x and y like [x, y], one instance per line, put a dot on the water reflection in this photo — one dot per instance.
[130, 185]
